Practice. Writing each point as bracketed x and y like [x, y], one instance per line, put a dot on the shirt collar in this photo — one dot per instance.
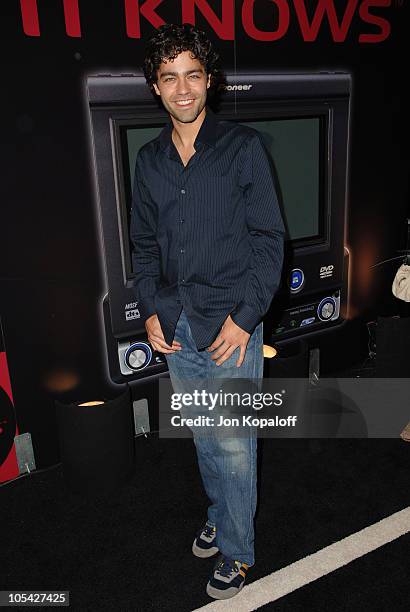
[207, 132]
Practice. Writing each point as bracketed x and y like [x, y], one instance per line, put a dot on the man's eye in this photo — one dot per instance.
[194, 76]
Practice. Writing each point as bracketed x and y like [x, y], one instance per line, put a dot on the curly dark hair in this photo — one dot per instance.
[170, 40]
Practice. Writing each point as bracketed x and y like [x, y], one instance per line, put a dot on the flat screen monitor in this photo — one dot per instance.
[296, 147]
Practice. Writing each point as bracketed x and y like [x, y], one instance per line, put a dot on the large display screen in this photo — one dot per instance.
[297, 150]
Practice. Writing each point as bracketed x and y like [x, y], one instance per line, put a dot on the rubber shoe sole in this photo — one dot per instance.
[225, 594]
[204, 553]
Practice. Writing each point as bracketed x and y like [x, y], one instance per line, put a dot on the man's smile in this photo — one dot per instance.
[185, 102]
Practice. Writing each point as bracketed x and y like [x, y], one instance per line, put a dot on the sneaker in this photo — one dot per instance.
[227, 578]
[204, 544]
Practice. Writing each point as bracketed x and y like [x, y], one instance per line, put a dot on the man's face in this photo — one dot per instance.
[182, 84]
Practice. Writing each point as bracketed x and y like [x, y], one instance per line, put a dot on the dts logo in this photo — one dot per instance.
[222, 21]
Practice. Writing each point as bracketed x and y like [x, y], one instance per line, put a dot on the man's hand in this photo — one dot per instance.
[229, 338]
[156, 336]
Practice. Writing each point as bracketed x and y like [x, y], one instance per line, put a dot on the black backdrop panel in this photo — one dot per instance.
[51, 279]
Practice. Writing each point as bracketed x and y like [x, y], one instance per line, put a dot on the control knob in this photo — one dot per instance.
[326, 309]
[138, 355]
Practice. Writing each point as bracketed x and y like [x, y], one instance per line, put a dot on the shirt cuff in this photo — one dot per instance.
[246, 317]
[148, 306]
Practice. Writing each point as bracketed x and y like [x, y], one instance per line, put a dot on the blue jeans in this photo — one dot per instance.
[227, 464]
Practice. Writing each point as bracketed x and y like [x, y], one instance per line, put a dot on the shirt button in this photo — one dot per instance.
[183, 280]
[182, 220]
[183, 191]
[182, 250]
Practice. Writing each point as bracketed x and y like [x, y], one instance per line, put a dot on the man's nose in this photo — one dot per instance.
[182, 86]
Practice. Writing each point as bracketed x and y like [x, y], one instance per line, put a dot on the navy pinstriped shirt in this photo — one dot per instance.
[207, 237]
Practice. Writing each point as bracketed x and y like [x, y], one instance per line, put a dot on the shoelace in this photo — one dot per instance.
[227, 567]
[208, 531]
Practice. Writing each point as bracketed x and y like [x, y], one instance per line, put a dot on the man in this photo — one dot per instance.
[208, 251]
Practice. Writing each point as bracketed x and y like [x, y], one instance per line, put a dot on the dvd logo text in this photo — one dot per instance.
[326, 271]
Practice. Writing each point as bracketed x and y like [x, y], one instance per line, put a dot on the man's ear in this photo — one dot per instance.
[208, 84]
[155, 86]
